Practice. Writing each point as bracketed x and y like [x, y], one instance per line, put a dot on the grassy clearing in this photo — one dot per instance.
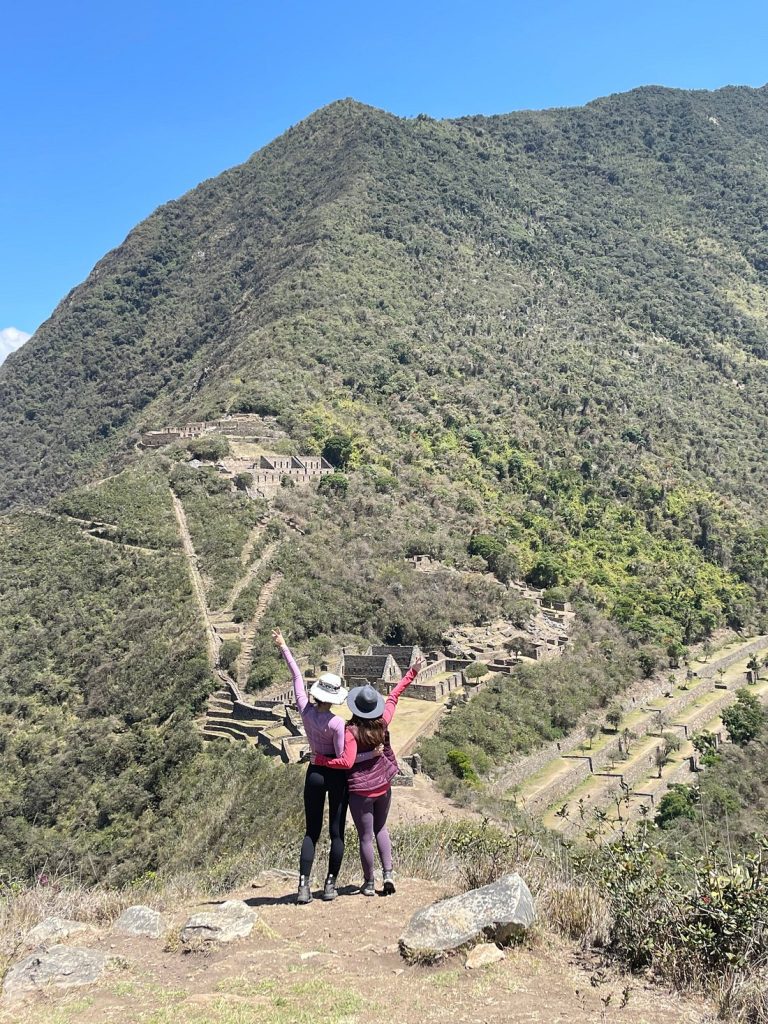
[242, 1001]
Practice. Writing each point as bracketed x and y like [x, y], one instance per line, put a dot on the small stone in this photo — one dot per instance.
[497, 912]
[482, 955]
[53, 929]
[141, 921]
[232, 920]
[58, 967]
[310, 954]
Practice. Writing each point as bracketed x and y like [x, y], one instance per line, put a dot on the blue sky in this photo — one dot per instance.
[109, 109]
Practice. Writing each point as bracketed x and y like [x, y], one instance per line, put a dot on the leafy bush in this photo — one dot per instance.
[697, 926]
[461, 765]
[229, 653]
[334, 484]
[209, 447]
[745, 718]
[678, 802]
[243, 481]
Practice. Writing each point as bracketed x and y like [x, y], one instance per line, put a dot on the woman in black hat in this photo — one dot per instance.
[370, 791]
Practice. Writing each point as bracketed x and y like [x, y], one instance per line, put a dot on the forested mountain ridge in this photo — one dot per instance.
[589, 282]
[534, 346]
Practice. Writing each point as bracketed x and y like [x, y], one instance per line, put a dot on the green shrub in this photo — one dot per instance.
[243, 481]
[335, 484]
[745, 718]
[209, 447]
[461, 765]
[678, 802]
[229, 653]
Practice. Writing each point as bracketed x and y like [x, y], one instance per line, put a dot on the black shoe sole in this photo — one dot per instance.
[389, 888]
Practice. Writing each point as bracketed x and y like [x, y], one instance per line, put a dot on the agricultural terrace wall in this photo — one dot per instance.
[646, 690]
[559, 788]
[673, 706]
[706, 714]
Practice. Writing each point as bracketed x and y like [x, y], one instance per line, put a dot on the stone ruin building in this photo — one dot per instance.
[268, 472]
[272, 724]
[384, 666]
[246, 425]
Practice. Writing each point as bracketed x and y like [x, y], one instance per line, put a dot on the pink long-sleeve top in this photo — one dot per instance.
[368, 776]
[325, 731]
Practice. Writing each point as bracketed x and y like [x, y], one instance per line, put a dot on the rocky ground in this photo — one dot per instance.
[326, 963]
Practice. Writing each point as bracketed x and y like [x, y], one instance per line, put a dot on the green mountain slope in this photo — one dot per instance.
[592, 279]
[535, 343]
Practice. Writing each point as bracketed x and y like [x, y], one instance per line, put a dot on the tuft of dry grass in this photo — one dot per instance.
[24, 906]
[576, 911]
[743, 996]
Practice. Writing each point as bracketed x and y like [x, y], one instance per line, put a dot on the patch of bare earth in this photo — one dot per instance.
[338, 963]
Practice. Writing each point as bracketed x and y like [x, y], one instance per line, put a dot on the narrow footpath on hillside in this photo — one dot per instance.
[245, 658]
[198, 587]
[251, 573]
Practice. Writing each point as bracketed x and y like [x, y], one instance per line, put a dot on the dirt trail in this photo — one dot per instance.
[212, 642]
[253, 539]
[251, 572]
[249, 633]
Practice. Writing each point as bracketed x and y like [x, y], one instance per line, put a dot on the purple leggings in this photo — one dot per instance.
[369, 814]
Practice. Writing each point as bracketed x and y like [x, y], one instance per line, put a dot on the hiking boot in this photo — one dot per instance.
[329, 890]
[368, 888]
[389, 883]
[305, 893]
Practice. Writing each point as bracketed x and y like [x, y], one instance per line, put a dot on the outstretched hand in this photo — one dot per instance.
[419, 664]
[277, 636]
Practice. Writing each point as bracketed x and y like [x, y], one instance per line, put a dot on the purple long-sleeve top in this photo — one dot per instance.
[324, 730]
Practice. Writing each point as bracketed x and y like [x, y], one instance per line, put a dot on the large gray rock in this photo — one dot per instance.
[497, 912]
[59, 967]
[232, 920]
[53, 930]
[141, 921]
[404, 775]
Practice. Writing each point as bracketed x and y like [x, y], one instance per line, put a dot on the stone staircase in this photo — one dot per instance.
[248, 633]
[268, 724]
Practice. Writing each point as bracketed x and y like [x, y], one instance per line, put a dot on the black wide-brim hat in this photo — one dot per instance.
[366, 702]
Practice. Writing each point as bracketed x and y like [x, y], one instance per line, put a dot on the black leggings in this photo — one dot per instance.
[318, 782]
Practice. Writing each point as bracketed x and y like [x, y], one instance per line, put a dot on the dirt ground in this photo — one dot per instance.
[338, 963]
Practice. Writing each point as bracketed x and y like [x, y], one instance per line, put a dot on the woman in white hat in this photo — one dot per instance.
[325, 732]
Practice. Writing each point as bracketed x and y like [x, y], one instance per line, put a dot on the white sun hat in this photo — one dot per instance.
[330, 689]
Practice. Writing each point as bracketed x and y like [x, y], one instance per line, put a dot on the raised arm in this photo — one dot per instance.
[347, 758]
[391, 705]
[299, 689]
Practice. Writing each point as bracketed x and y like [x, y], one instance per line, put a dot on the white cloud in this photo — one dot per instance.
[11, 338]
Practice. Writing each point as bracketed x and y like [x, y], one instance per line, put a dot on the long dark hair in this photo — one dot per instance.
[370, 731]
